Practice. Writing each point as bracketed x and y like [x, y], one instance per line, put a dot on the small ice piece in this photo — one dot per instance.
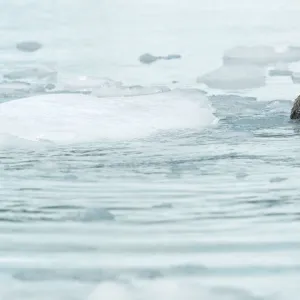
[172, 56]
[49, 86]
[14, 86]
[12, 89]
[95, 215]
[291, 54]
[277, 88]
[87, 84]
[76, 118]
[281, 69]
[296, 77]
[129, 91]
[26, 73]
[148, 58]
[256, 55]
[28, 46]
[234, 77]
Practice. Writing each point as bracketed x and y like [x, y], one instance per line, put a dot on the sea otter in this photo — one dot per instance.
[295, 111]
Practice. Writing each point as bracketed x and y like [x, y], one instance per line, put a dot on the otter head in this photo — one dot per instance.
[295, 111]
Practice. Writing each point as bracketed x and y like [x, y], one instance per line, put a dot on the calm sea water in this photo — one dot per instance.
[171, 195]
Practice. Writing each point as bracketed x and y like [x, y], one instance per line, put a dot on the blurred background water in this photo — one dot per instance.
[126, 181]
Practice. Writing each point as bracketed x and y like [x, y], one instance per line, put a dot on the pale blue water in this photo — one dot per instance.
[174, 195]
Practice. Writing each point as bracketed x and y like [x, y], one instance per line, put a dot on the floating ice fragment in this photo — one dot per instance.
[277, 179]
[28, 46]
[169, 288]
[73, 118]
[148, 58]
[127, 91]
[296, 77]
[113, 291]
[105, 87]
[95, 215]
[256, 55]
[234, 77]
[276, 88]
[31, 73]
[13, 88]
[86, 83]
[291, 54]
[281, 69]
[172, 56]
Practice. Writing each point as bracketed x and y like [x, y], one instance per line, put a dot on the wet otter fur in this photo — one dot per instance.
[295, 111]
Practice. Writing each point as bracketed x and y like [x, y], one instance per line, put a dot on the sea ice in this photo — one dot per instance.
[148, 58]
[28, 46]
[280, 69]
[296, 77]
[73, 118]
[127, 91]
[14, 88]
[291, 54]
[85, 83]
[255, 55]
[276, 88]
[234, 77]
[31, 73]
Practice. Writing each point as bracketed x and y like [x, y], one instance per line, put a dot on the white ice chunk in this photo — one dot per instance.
[105, 87]
[291, 54]
[296, 77]
[234, 77]
[280, 69]
[29, 46]
[73, 118]
[36, 73]
[14, 87]
[256, 55]
[276, 88]
[128, 91]
[85, 83]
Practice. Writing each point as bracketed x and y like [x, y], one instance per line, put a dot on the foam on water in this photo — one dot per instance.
[65, 118]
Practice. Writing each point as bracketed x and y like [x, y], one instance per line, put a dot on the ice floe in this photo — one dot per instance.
[254, 55]
[31, 73]
[148, 58]
[277, 88]
[68, 118]
[28, 46]
[291, 54]
[280, 69]
[296, 77]
[234, 77]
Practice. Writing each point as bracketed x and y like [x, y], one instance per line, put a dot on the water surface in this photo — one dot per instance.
[173, 195]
